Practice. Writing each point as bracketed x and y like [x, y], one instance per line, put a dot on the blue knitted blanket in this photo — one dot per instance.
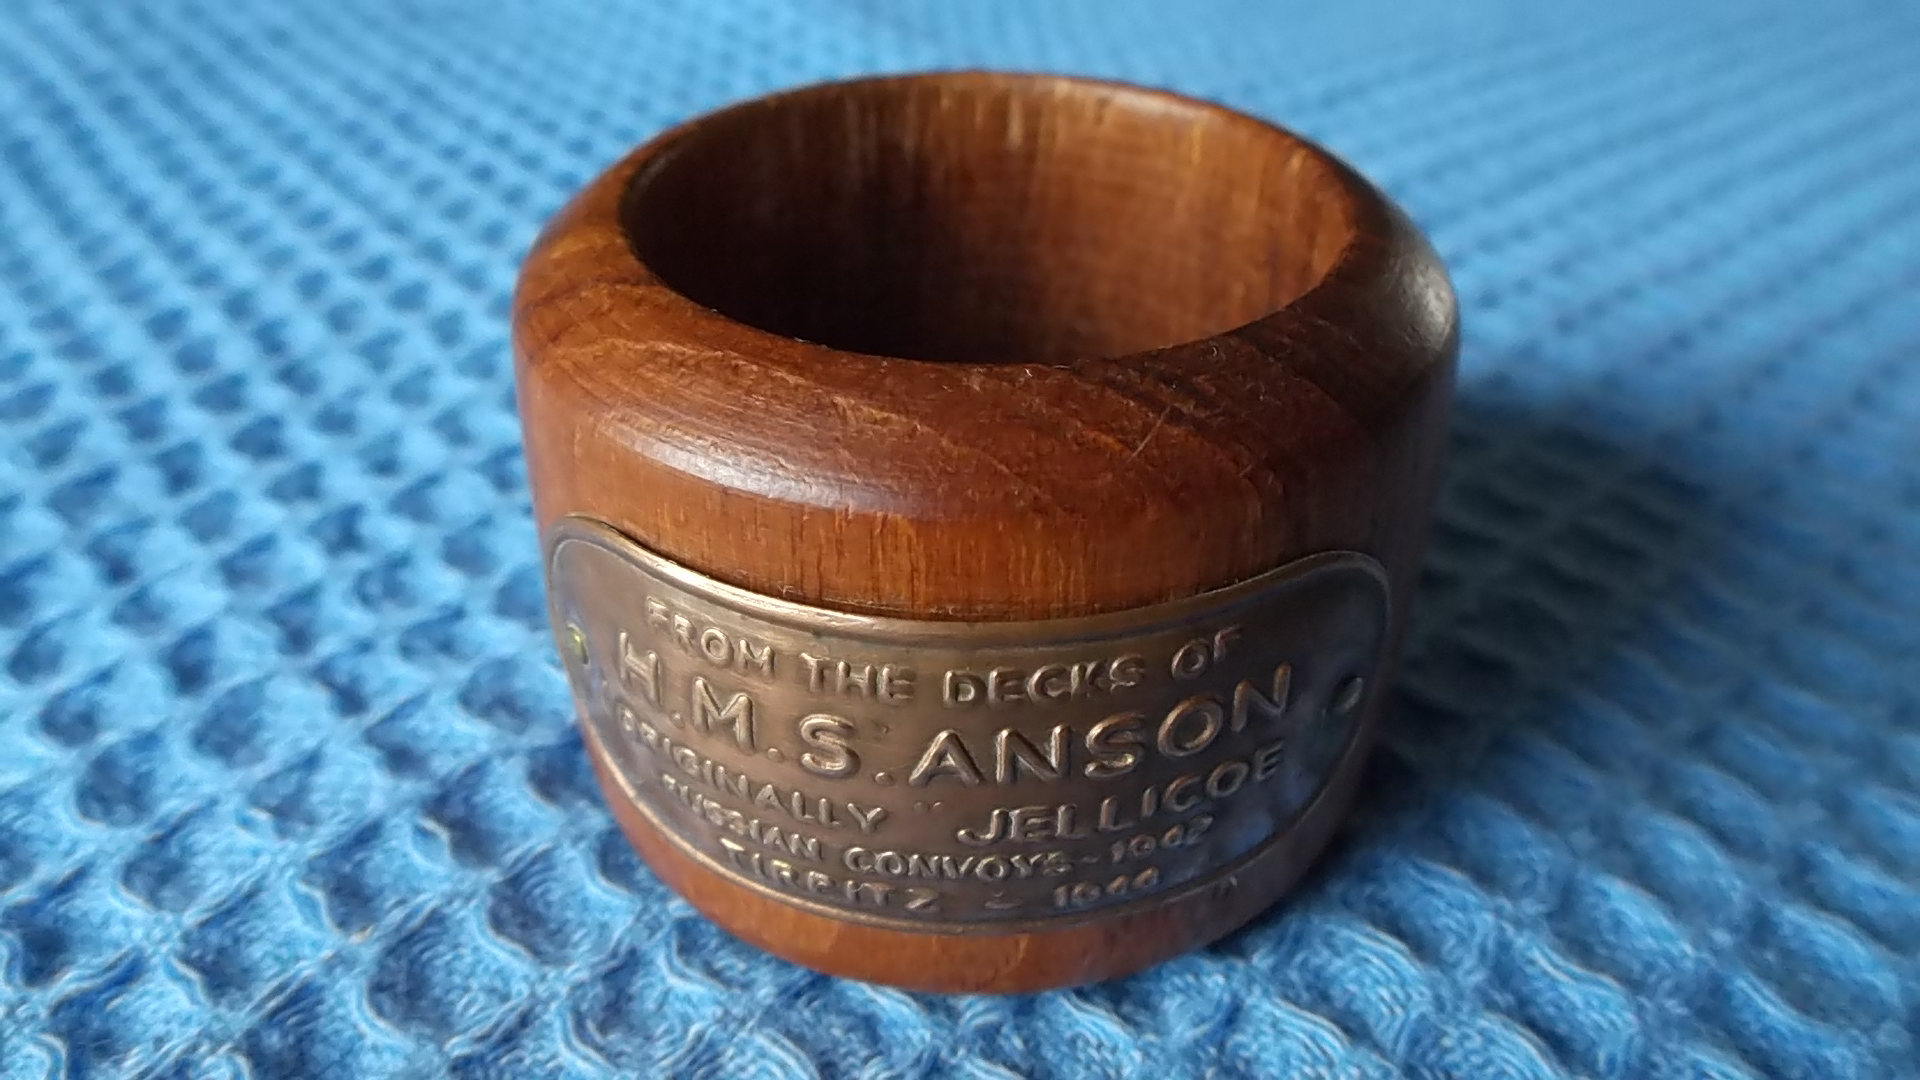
[288, 781]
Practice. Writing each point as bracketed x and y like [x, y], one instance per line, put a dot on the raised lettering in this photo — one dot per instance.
[816, 671]
[1031, 823]
[688, 761]
[896, 684]
[1247, 699]
[651, 736]
[1005, 686]
[708, 715]
[963, 688]
[1064, 824]
[754, 658]
[1266, 759]
[1086, 677]
[1115, 744]
[764, 796]
[1226, 778]
[656, 613]
[867, 817]
[769, 797]
[641, 669]
[996, 829]
[730, 782]
[945, 755]
[785, 841]
[1178, 736]
[831, 738]
[848, 679]
[1223, 639]
[1191, 660]
[1174, 801]
[782, 872]
[1014, 752]
[934, 866]
[1050, 682]
[715, 646]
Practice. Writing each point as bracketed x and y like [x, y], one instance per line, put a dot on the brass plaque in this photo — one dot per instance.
[955, 777]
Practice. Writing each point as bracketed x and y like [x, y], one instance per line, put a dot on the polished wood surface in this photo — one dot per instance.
[983, 347]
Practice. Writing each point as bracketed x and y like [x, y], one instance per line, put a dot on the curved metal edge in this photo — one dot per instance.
[583, 529]
[923, 632]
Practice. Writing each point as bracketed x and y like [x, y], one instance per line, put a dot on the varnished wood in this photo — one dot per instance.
[987, 347]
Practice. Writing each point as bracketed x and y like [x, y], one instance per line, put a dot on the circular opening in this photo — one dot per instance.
[987, 218]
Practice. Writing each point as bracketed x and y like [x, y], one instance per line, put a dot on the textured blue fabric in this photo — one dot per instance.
[288, 786]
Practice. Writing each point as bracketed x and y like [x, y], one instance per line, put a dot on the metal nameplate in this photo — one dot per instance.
[948, 776]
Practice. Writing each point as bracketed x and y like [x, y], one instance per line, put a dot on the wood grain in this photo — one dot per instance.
[987, 347]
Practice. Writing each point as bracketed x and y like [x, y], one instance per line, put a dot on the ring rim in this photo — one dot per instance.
[877, 465]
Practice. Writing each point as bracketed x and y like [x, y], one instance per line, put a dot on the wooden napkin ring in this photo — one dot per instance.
[980, 512]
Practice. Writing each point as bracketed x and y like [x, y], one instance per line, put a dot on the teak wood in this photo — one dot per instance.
[980, 348]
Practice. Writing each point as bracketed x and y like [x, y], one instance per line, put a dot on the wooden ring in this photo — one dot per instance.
[980, 512]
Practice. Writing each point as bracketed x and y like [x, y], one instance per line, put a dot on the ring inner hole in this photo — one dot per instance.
[987, 220]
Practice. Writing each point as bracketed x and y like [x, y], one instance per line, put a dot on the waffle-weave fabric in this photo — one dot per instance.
[288, 781]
